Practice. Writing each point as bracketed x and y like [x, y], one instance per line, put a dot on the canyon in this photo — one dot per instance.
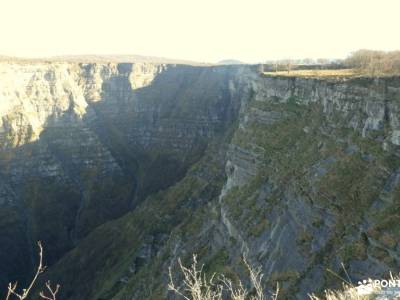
[122, 168]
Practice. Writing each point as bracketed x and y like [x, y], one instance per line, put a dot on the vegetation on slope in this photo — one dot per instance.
[125, 256]
[326, 164]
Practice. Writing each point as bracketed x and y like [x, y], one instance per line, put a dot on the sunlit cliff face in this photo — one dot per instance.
[35, 95]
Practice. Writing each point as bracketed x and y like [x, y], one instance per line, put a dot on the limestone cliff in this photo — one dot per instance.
[123, 168]
[313, 180]
[81, 144]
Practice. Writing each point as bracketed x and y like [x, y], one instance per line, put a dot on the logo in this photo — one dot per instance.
[387, 287]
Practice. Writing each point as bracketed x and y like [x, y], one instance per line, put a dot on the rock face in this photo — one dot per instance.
[313, 182]
[122, 168]
[82, 144]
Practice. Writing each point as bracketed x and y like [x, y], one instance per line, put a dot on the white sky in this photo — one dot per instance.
[201, 30]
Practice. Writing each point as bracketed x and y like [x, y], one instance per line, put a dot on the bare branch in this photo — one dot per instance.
[12, 287]
[53, 292]
[25, 292]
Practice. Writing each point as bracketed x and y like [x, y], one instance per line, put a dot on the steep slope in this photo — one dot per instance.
[82, 144]
[311, 181]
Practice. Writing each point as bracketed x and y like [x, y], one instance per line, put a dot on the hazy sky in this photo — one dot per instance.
[203, 30]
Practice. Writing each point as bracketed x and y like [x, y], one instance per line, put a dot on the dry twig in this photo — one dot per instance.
[53, 293]
[12, 287]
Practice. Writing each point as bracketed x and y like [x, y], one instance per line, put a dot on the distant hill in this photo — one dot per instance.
[230, 62]
[102, 59]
